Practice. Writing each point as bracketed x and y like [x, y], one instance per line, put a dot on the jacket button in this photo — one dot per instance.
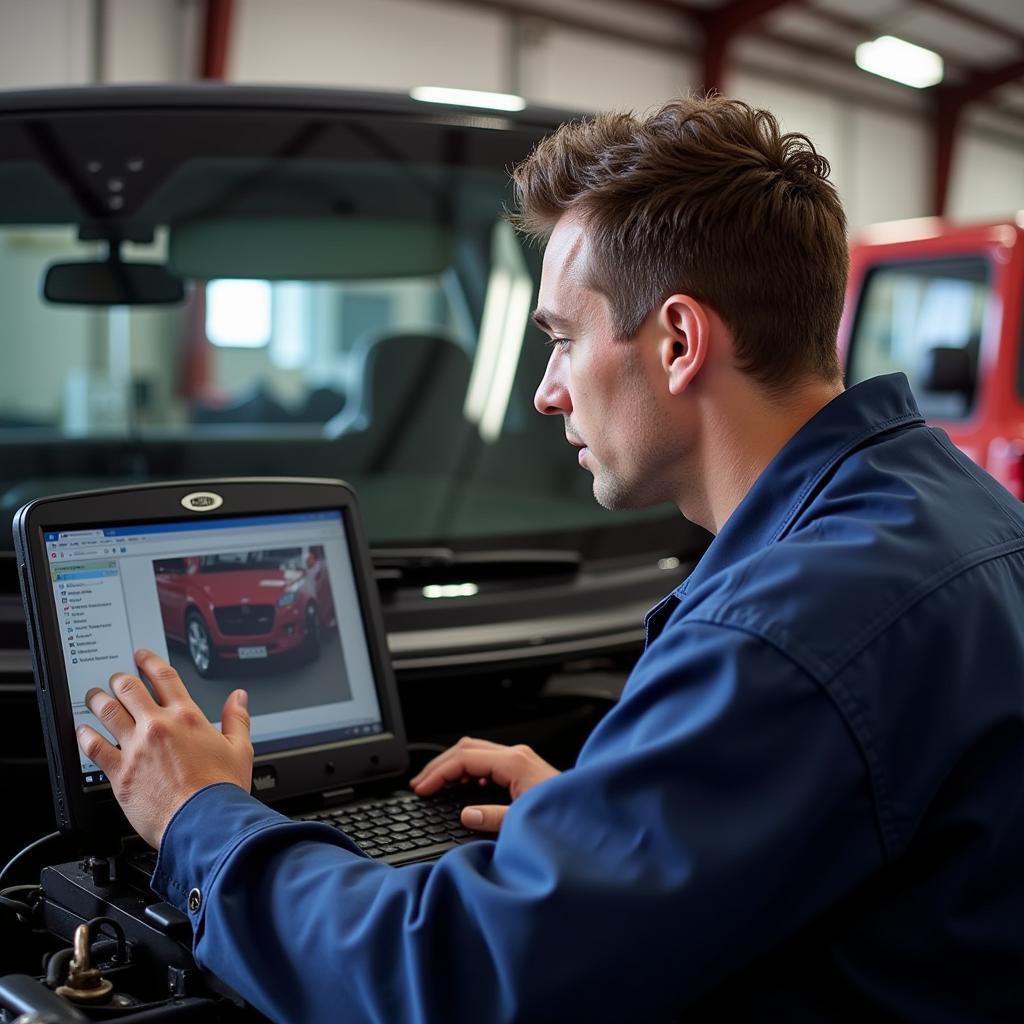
[195, 900]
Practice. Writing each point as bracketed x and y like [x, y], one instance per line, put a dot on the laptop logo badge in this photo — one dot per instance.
[264, 778]
[202, 501]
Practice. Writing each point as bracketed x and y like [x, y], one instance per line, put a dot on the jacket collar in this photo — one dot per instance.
[791, 480]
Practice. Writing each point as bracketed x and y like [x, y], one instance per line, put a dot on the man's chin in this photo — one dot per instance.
[617, 495]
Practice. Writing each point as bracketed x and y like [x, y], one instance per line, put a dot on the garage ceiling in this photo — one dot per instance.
[980, 41]
[812, 44]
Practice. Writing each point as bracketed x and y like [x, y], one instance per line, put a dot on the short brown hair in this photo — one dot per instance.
[708, 197]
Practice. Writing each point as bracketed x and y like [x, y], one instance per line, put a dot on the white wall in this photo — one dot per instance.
[386, 44]
[150, 40]
[44, 43]
[888, 174]
[988, 179]
[560, 68]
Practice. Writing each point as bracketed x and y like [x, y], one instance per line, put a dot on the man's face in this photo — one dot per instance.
[605, 388]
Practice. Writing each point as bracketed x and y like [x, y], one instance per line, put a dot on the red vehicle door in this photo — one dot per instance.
[943, 305]
[171, 588]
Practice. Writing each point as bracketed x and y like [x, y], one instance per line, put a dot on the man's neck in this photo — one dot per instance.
[739, 437]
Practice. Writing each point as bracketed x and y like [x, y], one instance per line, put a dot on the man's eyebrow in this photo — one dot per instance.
[548, 321]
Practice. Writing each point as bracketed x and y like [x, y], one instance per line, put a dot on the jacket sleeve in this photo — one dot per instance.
[711, 814]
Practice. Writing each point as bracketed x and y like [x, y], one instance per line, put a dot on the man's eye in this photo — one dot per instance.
[560, 343]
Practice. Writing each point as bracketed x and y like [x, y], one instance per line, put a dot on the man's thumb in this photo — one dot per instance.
[484, 817]
[234, 719]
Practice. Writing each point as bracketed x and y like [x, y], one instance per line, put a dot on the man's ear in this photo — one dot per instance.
[685, 334]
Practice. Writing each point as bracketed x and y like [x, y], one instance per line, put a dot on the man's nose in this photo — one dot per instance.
[552, 397]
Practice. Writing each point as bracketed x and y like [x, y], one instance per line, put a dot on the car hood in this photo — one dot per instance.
[245, 586]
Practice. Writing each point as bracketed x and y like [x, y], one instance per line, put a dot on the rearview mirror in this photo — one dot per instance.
[112, 283]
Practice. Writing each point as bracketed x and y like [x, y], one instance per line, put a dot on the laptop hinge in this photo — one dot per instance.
[339, 796]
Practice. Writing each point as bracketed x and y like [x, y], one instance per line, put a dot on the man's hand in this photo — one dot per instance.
[517, 768]
[167, 751]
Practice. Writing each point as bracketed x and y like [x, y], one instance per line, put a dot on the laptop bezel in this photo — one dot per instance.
[91, 814]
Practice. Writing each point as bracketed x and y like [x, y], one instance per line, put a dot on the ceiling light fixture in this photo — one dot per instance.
[450, 590]
[900, 61]
[467, 98]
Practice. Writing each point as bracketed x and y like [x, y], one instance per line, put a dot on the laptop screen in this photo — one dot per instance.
[268, 603]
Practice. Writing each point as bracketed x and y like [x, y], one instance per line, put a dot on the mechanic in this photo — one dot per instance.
[809, 803]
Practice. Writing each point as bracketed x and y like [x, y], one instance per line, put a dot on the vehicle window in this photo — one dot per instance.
[352, 303]
[925, 319]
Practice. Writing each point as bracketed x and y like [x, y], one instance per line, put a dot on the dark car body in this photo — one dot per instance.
[212, 281]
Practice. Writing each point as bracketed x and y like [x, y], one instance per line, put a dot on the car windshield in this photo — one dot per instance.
[209, 292]
[282, 558]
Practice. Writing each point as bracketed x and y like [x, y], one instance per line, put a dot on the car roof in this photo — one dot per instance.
[218, 95]
[925, 229]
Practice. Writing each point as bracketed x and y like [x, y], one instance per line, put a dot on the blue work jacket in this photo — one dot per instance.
[807, 806]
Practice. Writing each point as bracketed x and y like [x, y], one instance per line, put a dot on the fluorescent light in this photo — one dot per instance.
[467, 98]
[900, 61]
[450, 590]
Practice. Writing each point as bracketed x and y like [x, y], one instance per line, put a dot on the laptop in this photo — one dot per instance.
[265, 584]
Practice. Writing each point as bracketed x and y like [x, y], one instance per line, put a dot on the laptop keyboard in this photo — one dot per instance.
[398, 829]
[404, 827]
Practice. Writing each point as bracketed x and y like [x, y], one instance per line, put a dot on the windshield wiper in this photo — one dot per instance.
[398, 565]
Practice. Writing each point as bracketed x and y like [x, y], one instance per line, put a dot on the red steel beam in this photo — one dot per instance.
[981, 83]
[947, 121]
[216, 33]
[196, 371]
[738, 15]
[950, 102]
[678, 6]
[721, 26]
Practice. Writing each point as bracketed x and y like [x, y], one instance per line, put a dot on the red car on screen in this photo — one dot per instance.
[246, 605]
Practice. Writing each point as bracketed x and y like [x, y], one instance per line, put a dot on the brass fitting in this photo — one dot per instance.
[84, 983]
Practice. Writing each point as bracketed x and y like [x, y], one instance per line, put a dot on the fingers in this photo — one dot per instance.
[131, 701]
[452, 751]
[132, 693]
[468, 757]
[234, 719]
[166, 682]
[110, 712]
[101, 752]
[484, 817]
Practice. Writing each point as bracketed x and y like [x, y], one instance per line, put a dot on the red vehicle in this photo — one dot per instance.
[945, 304]
[246, 605]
